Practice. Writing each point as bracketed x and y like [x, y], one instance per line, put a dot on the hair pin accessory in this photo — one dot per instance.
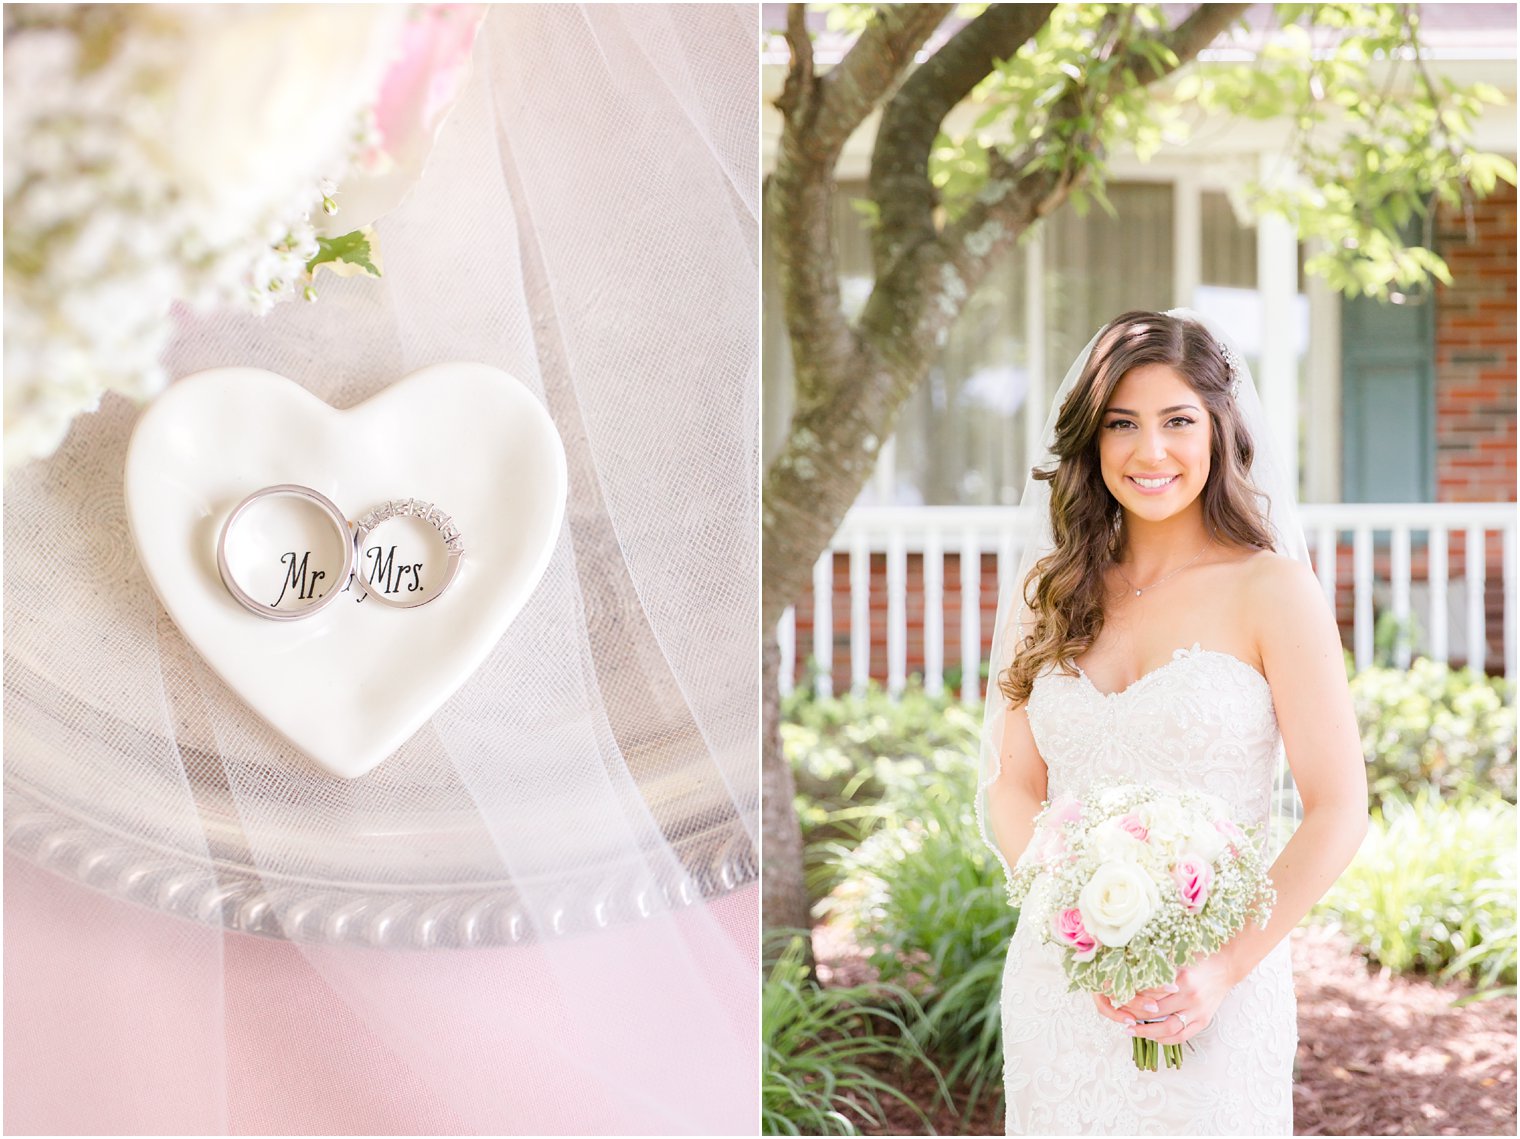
[1233, 363]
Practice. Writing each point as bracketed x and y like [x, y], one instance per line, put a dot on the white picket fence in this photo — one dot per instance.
[935, 533]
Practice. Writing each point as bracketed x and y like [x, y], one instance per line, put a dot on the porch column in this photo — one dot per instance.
[1035, 400]
[1187, 239]
[1277, 285]
[1322, 480]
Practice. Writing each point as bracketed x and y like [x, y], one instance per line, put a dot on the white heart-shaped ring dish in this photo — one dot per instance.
[351, 683]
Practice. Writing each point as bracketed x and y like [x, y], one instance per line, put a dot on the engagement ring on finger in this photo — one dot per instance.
[1182, 1016]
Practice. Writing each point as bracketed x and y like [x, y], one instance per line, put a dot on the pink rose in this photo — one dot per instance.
[1052, 846]
[1230, 831]
[426, 75]
[1194, 877]
[1132, 826]
[1064, 811]
[1071, 932]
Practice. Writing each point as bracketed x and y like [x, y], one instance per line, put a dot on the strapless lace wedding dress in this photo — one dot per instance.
[1202, 720]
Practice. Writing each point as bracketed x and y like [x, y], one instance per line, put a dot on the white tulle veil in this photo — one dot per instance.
[1271, 477]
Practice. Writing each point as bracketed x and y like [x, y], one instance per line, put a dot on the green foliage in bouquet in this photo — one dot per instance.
[356, 249]
[1433, 890]
[824, 1051]
[1432, 725]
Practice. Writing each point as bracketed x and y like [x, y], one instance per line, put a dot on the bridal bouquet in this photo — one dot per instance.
[1143, 882]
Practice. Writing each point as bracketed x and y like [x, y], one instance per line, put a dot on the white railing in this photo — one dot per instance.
[1426, 601]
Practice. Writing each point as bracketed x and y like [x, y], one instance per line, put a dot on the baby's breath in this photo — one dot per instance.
[107, 221]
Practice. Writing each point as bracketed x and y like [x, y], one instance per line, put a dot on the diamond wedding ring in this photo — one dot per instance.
[352, 536]
[453, 544]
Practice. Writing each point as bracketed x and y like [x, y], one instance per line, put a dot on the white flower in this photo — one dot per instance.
[1166, 819]
[264, 101]
[1113, 843]
[1171, 826]
[1205, 841]
[1118, 899]
[161, 154]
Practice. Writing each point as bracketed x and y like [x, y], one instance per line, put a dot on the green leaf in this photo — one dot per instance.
[1188, 87]
[868, 210]
[352, 249]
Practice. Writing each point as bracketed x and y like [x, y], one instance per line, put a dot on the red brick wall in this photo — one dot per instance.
[1475, 353]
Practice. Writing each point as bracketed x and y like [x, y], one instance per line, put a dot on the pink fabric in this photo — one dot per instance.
[426, 75]
[123, 1021]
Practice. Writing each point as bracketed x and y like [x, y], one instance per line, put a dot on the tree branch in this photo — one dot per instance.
[911, 121]
[1205, 24]
[873, 66]
[820, 113]
[1016, 196]
[797, 92]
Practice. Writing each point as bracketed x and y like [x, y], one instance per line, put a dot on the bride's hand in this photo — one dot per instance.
[1144, 1004]
[1201, 988]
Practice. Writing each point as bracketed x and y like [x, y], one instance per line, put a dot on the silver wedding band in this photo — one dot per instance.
[352, 537]
[334, 515]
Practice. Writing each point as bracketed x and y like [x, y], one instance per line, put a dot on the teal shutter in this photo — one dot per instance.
[1388, 401]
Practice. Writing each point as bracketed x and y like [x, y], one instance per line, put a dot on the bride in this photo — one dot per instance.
[1168, 630]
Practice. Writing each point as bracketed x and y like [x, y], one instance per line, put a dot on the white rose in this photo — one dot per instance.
[1115, 844]
[1165, 815]
[1167, 822]
[265, 100]
[1118, 899]
[1205, 841]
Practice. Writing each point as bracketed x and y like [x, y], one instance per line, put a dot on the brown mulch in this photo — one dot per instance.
[1378, 1053]
[1383, 1054]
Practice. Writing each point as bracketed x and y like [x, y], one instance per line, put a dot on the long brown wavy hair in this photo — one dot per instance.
[1065, 590]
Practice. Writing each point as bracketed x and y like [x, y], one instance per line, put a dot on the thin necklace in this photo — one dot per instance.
[1158, 581]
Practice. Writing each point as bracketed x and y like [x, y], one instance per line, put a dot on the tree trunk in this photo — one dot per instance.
[784, 899]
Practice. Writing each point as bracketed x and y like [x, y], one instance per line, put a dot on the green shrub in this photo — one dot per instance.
[1432, 725]
[848, 753]
[1433, 889]
[834, 745]
[928, 900]
[824, 1049]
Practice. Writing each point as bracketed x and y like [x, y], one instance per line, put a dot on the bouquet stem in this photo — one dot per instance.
[1149, 1053]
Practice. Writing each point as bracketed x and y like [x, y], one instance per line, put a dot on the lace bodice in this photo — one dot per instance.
[1202, 720]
